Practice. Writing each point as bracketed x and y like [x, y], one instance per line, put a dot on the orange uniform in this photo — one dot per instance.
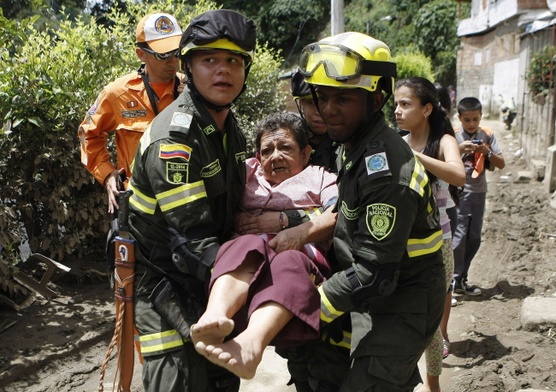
[122, 107]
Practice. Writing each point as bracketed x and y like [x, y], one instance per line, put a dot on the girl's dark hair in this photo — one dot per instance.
[284, 120]
[439, 120]
[444, 97]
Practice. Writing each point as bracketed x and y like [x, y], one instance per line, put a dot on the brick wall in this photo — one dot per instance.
[476, 65]
[481, 61]
[531, 4]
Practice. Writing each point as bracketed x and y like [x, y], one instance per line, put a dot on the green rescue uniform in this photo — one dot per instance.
[188, 178]
[387, 241]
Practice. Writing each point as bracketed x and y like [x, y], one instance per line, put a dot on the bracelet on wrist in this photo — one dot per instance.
[282, 220]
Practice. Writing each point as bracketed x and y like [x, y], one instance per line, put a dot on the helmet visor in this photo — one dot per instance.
[340, 63]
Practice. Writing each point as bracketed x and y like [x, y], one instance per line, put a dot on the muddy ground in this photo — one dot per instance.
[59, 345]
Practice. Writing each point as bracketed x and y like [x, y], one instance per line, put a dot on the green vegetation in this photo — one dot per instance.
[408, 64]
[49, 77]
[542, 71]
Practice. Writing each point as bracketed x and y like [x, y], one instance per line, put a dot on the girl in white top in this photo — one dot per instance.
[432, 138]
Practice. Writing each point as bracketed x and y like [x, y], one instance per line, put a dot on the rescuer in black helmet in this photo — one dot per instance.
[187, 179]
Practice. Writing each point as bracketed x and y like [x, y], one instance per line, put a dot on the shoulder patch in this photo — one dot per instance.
[93, 109]
[180, 119]
[381, 219]
[211, 169]
[177, 173]
[169, 151]
[349, 214]
[377, 163]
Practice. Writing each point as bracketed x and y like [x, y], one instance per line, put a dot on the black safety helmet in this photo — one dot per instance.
[219, 29]
[300, 88]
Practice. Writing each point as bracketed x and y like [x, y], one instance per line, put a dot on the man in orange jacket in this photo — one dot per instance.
[128, 105]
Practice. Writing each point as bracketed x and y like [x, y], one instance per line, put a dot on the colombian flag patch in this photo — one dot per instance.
[169, 151]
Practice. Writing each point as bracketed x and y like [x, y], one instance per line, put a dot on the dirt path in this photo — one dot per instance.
[58, 346]
[489, 349]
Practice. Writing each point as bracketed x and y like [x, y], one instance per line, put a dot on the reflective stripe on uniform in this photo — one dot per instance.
[181, 195]
[345, 342]
[424, 246]
[313, 213]
[157, 343]
[141, 201]
[145, 140]
[328, 313]
[419, 178]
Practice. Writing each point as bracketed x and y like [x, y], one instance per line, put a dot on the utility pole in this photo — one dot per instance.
[336, 17]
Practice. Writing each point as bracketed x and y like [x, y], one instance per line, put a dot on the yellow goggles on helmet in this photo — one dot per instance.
[341, 63]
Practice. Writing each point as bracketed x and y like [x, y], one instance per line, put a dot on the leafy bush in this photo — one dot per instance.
[44, 87]
[542, 71]
[413, 64]
[263, 94]
[47, 82]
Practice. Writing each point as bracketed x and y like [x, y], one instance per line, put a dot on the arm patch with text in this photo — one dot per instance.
[381, 219]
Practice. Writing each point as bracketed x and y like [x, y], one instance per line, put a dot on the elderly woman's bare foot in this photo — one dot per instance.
[239, 356]
[211, 330]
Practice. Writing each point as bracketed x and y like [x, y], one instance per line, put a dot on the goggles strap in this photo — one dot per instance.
[315, 98]
[378, 68]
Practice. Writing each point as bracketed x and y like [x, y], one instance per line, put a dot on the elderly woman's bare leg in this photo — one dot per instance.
[243, 354]
[228, 295]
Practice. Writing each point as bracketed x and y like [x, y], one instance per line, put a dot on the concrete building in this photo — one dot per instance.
[490, 62]
[497, 42]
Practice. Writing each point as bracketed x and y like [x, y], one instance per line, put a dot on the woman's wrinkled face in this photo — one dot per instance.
[280, 156]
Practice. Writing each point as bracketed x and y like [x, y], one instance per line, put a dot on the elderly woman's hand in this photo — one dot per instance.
[267, 222]
[293, 238]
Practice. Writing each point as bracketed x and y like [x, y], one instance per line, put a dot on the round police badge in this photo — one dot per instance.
[376, 163]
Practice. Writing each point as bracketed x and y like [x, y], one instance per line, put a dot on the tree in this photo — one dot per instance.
[19, 9]
[12, 8]
[409, 26]
[101, 9]
[285, 25]
[436, 32]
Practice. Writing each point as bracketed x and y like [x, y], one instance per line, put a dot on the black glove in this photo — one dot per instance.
[188, 262]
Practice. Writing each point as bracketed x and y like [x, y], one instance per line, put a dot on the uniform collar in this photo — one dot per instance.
[366, 138]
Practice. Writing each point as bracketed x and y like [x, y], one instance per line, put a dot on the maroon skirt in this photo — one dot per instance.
[289, 278]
